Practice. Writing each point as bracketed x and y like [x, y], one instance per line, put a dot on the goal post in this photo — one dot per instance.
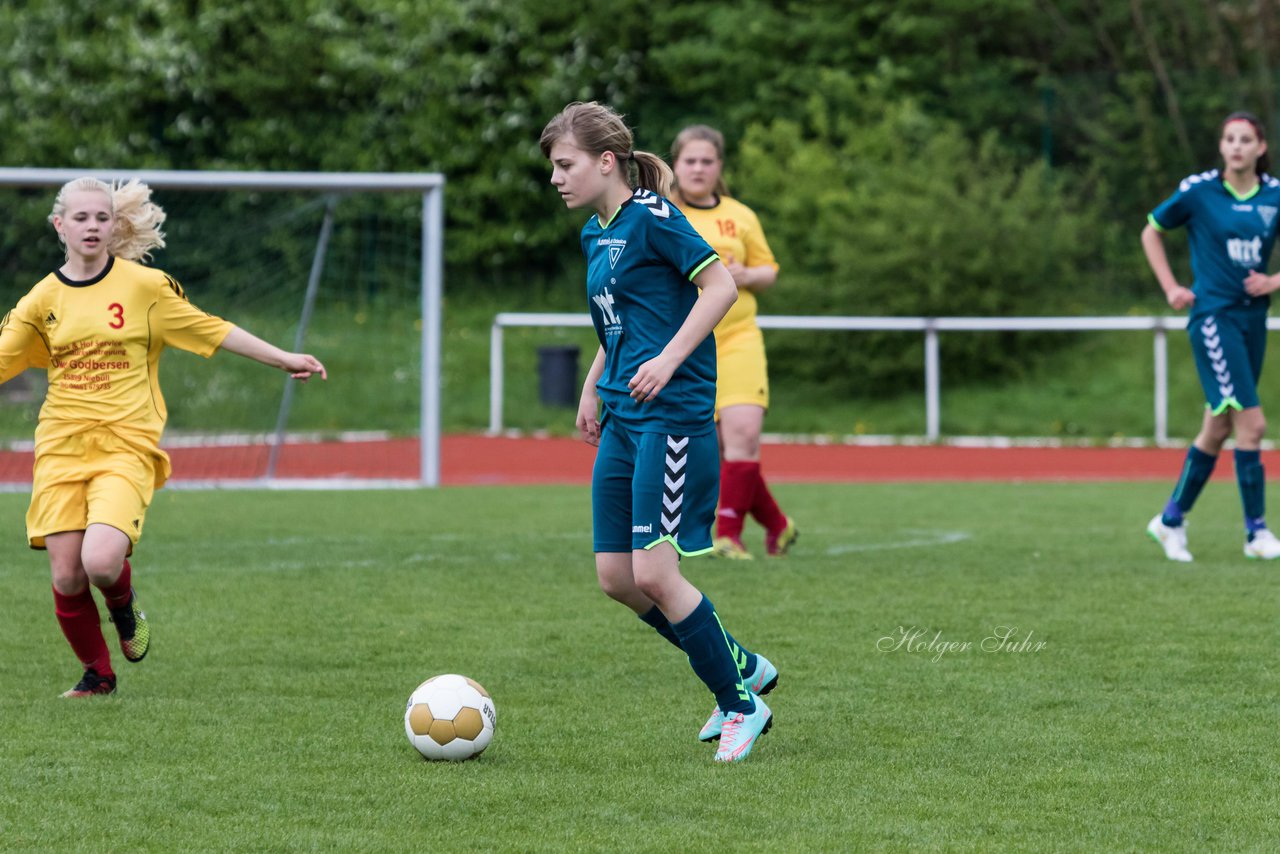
[325, 187]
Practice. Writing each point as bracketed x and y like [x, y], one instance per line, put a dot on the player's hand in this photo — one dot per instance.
[651, 378]
[738, 271]
[1258, 284]
[588, 422]
[1180, 297]
[302, 366]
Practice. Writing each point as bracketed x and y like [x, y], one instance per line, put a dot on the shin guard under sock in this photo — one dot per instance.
[78, 617]
[713, 657]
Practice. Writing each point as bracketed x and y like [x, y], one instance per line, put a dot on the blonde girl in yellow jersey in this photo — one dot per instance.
[742, 385]
[98, 324]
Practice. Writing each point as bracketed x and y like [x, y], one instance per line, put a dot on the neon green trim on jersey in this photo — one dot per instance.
[612, 218]
[703, 266]
[1151, 218]
[667, 538]
[1229, 403]
[1247, 196]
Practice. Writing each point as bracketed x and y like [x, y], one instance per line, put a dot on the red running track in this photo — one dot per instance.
[471, 460]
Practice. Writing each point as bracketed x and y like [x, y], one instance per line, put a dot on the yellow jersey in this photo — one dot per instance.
[100, 341]
[734, 233]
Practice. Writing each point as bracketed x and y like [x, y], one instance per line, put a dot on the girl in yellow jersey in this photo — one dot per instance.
[742, 385]
[98, 325]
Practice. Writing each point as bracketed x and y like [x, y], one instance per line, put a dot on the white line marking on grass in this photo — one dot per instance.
[915, 539]
[448, 537]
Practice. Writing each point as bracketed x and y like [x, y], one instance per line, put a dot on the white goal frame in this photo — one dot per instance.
[431, 185]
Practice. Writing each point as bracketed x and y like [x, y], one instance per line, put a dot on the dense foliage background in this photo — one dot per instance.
[924, 157]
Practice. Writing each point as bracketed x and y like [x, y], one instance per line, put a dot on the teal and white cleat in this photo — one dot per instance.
[764, 678]
[711, 729]
[1263, 546]
[1173, 540]
[739, 732]
[761, 681]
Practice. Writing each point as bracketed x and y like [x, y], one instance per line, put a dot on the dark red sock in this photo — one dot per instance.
[737, 489]
[78, 617]
[117, 595]
[764, 509]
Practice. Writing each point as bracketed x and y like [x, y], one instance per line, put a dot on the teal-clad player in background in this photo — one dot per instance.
[1230, 216]
[648, 403]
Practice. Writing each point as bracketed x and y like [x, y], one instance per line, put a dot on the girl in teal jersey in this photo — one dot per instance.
[1230, 215]
[648, 401]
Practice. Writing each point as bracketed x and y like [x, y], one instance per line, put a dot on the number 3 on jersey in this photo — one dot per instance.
[117, 315]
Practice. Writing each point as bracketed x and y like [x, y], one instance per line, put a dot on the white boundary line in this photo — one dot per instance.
[334, 484]
[236, 440]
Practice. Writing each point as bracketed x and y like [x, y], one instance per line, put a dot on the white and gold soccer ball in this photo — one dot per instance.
[450, 717]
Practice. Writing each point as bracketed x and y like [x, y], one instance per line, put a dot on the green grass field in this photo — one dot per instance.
[289, 629]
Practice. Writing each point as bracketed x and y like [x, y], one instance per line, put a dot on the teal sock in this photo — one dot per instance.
[1195, 474]
[1252, 479]
[712, 656]
[658, 620]
[744, 658]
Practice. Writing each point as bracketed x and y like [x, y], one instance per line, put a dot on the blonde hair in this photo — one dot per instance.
[596, 129]
[137, 218]
[700, 133]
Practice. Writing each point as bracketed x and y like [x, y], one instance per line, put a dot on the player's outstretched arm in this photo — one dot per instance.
[16, 339]
[300, 366]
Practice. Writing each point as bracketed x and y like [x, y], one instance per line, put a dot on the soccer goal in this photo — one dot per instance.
[347, 266]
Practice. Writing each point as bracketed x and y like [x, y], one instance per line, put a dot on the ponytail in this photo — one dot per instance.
[596, 128]
[137, 219]
[652, 173]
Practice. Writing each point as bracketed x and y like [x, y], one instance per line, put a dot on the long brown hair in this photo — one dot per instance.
[1264, 162]
[595, 129]
[700, 133]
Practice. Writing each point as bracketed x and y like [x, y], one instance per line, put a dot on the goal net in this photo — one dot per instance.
[346, 266]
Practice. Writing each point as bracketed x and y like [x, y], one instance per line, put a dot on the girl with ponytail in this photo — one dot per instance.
[98, 324]
[655, 291]
[1230, 217]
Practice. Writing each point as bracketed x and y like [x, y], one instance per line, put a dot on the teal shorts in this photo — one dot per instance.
[1229, 347]
[647, 488]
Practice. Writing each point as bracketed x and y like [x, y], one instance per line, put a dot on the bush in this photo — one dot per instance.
[902, 214]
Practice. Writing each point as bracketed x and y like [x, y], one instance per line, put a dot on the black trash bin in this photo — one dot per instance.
[558, 375]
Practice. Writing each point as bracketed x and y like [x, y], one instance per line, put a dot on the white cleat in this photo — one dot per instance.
[1263, 546]
[762, 680]
[1174, 540]
[740, 731]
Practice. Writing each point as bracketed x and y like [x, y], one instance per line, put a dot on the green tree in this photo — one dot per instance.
[903, 214]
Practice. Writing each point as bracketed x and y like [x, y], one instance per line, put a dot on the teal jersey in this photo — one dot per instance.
[1229, 235]
[640, 267]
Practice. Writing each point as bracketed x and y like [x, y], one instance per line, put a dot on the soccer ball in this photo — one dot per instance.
[450, 717]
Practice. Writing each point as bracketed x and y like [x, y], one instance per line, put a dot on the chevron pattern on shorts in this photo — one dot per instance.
[673, 484]
[1213, 349]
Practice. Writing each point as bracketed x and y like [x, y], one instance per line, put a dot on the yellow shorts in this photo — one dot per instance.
[92, 478]
[742, 374]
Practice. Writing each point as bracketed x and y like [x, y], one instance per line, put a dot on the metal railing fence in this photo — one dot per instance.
[931, 327]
